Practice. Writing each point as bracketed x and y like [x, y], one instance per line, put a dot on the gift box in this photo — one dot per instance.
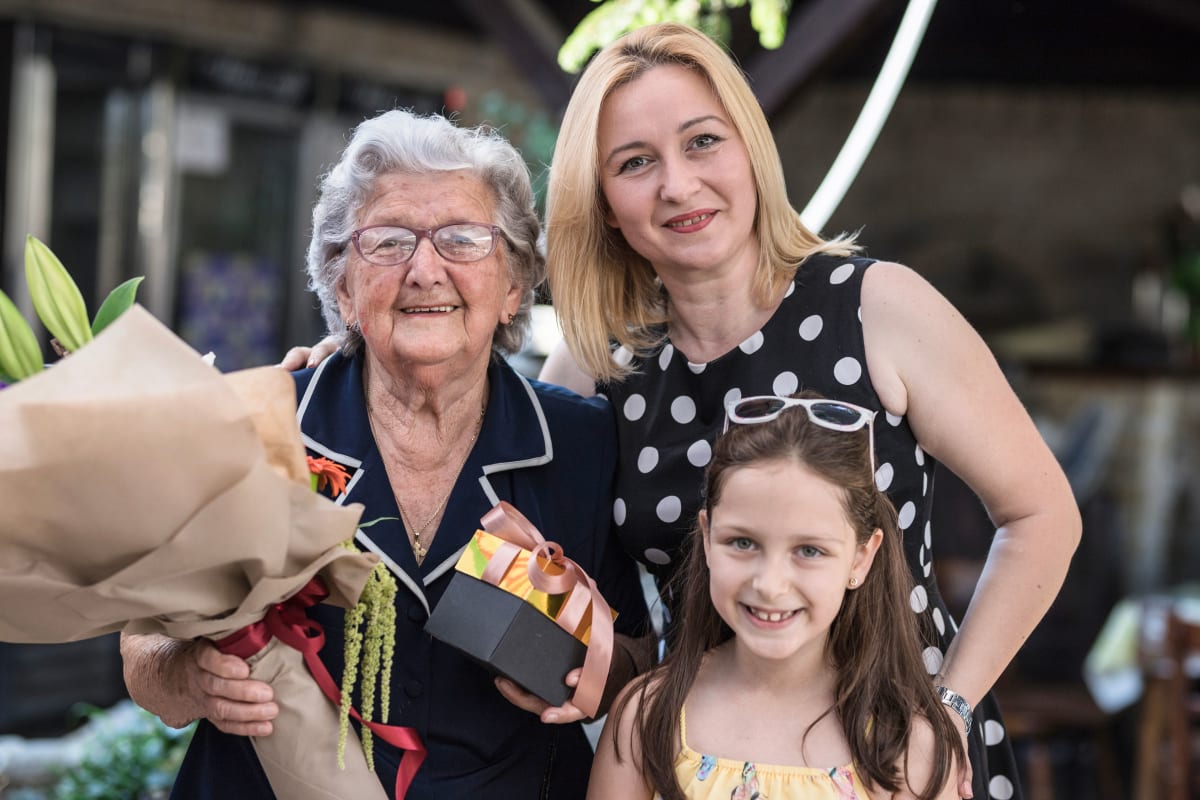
[518, 606]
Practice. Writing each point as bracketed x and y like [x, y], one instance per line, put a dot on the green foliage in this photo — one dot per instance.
[531, 131]
[138, 758]
[117, 303]
[612, 19]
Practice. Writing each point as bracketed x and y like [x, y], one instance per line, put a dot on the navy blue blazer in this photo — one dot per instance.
[552, 455]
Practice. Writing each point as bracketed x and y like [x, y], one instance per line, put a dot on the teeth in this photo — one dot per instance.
[772, 616]
[428, 310]
[690, 221]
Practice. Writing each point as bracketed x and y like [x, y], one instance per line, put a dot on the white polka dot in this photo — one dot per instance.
[929, 534]
[732, 396]
[922, 558]
[847, 371]
[939, 621]
[668, 509]
[933, 660]
[892, 419]
[602, 396]
[647, 459]
[918, 599]
[841, 274]
[619, 511]
[908, 512]
[791, 288]
[884, 476]
[622, 356]
[699, 454]
[752, 344]
[993, 732]
[664, 358]
[811, 327]
[635, 406]
[683, 410]
[858, 314]
[785, 384]
[924, 483]
[656, 556]
[919, 455]
[696, 368]
[928, 568]
[1000, 788]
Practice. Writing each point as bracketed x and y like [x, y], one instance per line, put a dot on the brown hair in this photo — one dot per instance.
[874, 641]
[603, 290]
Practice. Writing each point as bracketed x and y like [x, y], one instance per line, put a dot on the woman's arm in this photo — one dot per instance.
[616, 774]
[181, 681]
[916, 771]
[927, 362]
[560, 368]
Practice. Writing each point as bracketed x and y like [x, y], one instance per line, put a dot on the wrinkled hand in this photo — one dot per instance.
[536, 705]
[226, 694]
[301, 357]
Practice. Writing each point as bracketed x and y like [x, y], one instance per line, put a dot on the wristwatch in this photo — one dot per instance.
[959, 705]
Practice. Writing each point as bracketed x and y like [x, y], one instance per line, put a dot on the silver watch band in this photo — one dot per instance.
[958, 705]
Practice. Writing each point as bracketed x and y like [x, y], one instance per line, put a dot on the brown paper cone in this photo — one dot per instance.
[300, 757]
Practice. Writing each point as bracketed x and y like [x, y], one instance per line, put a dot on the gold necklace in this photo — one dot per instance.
[419, 550]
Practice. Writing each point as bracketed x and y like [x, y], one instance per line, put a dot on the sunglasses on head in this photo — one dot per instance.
[832, 414]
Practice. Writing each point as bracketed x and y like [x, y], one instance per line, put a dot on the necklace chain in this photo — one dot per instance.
[420, 550]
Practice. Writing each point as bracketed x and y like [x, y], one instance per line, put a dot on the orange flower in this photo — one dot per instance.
[327, 473]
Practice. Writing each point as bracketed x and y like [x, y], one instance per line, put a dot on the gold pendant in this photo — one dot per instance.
[419, 551]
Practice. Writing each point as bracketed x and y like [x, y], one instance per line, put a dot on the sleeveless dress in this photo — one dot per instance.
[705, 777]
[670, 411]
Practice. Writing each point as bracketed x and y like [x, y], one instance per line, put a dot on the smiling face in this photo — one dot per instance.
[428, 311]
[676, 174]
[781, 552]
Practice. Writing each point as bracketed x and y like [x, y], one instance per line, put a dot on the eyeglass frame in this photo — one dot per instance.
[427, 233]
[866, 418]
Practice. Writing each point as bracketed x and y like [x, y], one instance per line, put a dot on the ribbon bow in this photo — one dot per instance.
[519, 533]
[288, 622]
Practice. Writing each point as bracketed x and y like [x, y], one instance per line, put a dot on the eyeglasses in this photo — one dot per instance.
[832, 414]
[461, 242]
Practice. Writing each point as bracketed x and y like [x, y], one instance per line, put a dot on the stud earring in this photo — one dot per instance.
[511, 317]
[853, 582]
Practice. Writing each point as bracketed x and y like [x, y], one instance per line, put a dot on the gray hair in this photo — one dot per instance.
[402, 142]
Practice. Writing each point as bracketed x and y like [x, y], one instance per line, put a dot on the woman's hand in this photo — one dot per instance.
[535, 705]
[181, 681]
[301, 357]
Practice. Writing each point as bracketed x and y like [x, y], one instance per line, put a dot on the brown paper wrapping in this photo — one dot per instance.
[142, 490]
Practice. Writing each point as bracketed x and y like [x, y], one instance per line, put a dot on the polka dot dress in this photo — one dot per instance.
[671, 410]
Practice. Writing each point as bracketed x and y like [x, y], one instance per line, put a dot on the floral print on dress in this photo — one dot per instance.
[706, 767]
[843, 781]
[748, 790]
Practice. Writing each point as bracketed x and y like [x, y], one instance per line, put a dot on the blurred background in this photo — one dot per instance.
[1041, 167]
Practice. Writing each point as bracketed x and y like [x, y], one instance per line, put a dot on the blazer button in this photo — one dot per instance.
[416, 614]
[413, 688]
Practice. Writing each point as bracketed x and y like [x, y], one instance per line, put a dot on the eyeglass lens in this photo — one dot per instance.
[464, 242]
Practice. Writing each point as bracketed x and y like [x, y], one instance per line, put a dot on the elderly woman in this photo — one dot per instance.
[424, 258]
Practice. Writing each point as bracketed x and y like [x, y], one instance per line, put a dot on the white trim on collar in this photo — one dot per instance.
[535, 461]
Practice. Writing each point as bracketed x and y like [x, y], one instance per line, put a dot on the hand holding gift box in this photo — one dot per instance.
[146, 492]
[519, 605]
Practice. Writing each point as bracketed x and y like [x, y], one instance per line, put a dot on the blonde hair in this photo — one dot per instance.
[603, 290]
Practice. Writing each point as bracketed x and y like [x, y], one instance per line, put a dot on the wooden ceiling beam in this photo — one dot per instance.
[815, 33]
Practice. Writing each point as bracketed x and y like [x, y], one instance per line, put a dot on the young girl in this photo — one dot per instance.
[795, 645]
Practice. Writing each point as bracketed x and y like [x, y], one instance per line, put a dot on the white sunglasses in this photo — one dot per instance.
[832, 414]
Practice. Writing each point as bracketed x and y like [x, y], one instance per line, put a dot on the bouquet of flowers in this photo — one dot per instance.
[146, 492]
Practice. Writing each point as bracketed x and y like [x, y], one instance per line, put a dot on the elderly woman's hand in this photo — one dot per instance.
[182, 681]
[301, 357]
[536, 705]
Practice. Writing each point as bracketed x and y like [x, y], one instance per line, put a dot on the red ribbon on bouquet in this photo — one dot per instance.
[288, 623]
[519, 533]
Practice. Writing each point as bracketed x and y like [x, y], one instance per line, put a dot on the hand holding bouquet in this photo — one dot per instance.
[146, 492]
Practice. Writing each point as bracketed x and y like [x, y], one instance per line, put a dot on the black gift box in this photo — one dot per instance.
[508, 635]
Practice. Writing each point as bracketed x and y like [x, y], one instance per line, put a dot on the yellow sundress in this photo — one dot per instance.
[705, 777]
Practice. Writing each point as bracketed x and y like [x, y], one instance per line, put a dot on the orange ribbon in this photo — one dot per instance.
[519, 533]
